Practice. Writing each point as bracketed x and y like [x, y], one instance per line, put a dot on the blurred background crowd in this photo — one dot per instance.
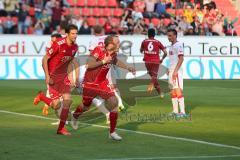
[126, 17]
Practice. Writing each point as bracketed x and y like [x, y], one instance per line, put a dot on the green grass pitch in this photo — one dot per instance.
[212, 133]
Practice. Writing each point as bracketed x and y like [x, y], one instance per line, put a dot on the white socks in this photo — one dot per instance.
[175, 104]
[181, 104]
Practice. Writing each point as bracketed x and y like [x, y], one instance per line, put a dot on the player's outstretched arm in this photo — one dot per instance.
[93, 63]
[124, 66]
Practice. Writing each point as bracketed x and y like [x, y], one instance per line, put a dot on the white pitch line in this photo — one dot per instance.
[137, 132]
[181, 157]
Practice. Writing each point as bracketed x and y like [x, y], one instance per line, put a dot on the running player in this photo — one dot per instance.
[96, 83]
[55, 65]
[54, 37]
[151, 48]
[176, 73]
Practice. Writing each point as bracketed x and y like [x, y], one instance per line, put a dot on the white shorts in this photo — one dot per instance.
[178, 83]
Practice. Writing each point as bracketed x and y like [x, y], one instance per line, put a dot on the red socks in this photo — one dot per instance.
[78, 111]
[113, 121]
[156, 84]
[63, 118]
[45, 99]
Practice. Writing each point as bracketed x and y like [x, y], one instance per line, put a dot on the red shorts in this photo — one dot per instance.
[152, 68]
[92, 90]
[61, 86]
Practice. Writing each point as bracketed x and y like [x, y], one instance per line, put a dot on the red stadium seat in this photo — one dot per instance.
[86, 12]
[102, 21]
[72, 2]
[147, 21]
[155, 21]
[76, 11]
[66, 11]
[101, 3]
[15, 20]
[112, 3]
[96, 12]
[91, 3]
[107, 12]
[80, 3]
[91, 21]
[117, 12]
[166, 21]
[3, 19]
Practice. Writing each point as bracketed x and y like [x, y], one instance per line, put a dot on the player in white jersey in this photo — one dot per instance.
[176, 73]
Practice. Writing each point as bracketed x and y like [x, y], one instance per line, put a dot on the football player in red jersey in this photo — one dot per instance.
[151, 48]
[55, 65]
[95, 81]
[54, 37]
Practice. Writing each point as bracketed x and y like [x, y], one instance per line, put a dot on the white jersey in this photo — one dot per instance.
[175, 51]
[96, 41]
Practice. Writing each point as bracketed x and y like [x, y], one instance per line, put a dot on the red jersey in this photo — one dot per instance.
[60, 54]
[99, 74]
[151, 49]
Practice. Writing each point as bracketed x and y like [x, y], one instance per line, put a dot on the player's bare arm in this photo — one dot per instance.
[93, 63]
[76, 67]
[164, 55]
[48, 79]
[124, 66]
[179, 64]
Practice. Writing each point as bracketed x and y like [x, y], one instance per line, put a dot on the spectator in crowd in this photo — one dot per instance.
[49, 5]
[196, 24]
[46, 16]
[8, 25]
[107, 26]
[39, 28]
[85, 28]
[46, 19]
[56, 14]
[22, 15]
[149, 10]
[161, 28]
[161, 9]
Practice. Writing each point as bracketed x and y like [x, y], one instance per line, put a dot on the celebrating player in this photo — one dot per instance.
[55, 65]
[96, 83]
[151, 48]
[176, 73]
[98, 40]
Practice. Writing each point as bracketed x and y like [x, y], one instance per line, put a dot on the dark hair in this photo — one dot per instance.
[173, 31]
[151, 32]
[57, 35]
[71, 27]
[97, 29]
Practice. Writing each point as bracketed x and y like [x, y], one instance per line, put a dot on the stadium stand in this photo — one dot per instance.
[204, 17]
